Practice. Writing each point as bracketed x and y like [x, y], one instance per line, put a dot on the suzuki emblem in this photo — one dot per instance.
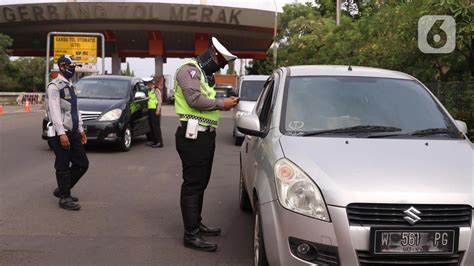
[412, 215]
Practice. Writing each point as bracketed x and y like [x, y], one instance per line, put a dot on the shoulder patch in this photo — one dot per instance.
[192, 73]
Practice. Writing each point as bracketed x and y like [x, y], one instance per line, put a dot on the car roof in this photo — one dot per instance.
[341, 70]
[254, 77]
[110, 77]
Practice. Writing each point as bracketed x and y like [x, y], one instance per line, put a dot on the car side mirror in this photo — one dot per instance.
[139, 95]
[461, 126]
[250, 125]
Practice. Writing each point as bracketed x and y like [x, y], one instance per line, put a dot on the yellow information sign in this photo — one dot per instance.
[83, 49]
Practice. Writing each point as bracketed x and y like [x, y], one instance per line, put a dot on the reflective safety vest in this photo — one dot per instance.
[185, 112]
[68, 104]
[152, 100]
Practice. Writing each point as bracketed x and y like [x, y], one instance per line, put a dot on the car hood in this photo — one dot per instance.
[99, 105]
[245, 106]
[386, 170]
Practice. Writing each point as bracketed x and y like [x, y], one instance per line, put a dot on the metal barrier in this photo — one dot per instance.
[33, 98]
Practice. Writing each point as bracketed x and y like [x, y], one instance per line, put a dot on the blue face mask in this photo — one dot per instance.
[69, 72]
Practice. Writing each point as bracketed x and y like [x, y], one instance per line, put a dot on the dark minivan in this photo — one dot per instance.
[113, 109]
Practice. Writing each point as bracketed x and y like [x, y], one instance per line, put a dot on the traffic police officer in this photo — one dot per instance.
[154, 107]
[66, 134]
[198, 112]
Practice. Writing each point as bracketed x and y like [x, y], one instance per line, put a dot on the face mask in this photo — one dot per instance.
[69, 72]
[207, 63]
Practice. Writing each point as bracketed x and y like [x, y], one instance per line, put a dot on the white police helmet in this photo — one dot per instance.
[228, 56]
[147, 79]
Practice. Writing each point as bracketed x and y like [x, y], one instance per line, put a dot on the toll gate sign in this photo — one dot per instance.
[83, 50]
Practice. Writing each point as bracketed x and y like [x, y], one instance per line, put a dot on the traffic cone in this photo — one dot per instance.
[1, 110]
[27, 106]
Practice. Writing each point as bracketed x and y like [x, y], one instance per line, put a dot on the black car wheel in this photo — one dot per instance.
[244, 200]
[126, 141]
[259, 255]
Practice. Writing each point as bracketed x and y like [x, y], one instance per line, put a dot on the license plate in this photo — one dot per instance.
[413, 241]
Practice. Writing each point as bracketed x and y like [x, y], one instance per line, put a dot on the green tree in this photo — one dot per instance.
[6, 80]
[261, 66]
[231, 68]
[383, 34]
[127, 71]
[28, 72]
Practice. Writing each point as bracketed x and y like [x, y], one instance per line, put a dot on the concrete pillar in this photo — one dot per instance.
[116, 61]
[158, 65]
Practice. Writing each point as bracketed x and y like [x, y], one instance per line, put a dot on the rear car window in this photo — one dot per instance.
[251, 89]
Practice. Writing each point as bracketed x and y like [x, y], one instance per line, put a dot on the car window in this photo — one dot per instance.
[251, 89]
[323, 103]
[261, 97]
[264, 114]
[102, 88]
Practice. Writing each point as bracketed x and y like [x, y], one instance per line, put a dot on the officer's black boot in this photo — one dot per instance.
[57, 195]
[204, 230]
[195, 241]
[65, 200]
[76, 174]
[190, 210]
[208, 231]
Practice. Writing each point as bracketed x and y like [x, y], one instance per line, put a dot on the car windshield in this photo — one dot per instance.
[102, 88]
[250, 89]
[344, 105]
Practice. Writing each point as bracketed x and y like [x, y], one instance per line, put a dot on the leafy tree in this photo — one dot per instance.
[6, 80]
[231, 68]
[28, 72]
[382, 34]
[127, 71]
[261, 66]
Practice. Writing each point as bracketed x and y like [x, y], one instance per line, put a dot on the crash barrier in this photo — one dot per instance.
[31, 98]
[458, 98]
[19, 98]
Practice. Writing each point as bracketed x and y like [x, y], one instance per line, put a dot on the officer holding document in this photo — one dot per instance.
[198, 111]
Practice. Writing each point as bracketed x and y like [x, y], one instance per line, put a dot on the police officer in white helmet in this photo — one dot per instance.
[198, 111]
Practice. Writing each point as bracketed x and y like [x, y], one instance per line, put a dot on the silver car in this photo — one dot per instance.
[356, 166]
[249, 88]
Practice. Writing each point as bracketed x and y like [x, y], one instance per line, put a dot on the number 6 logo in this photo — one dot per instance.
[446, 32]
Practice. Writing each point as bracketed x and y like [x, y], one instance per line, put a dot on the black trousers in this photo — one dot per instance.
[155, 126]
[196, 157]
[73, 161]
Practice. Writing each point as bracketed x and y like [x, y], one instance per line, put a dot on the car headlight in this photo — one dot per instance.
[297, 192]
[111, 115]
[240, 113]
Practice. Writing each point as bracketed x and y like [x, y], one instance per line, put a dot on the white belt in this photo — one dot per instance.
[203, 128]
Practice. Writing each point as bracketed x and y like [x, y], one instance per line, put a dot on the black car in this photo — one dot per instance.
[113, 109]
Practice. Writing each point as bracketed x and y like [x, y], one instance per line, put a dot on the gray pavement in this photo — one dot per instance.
[130, 202]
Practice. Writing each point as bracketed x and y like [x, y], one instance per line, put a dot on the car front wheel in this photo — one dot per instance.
[126, 140]
[259, 255]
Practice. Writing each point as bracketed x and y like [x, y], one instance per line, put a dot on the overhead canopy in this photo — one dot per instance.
[140, 29]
